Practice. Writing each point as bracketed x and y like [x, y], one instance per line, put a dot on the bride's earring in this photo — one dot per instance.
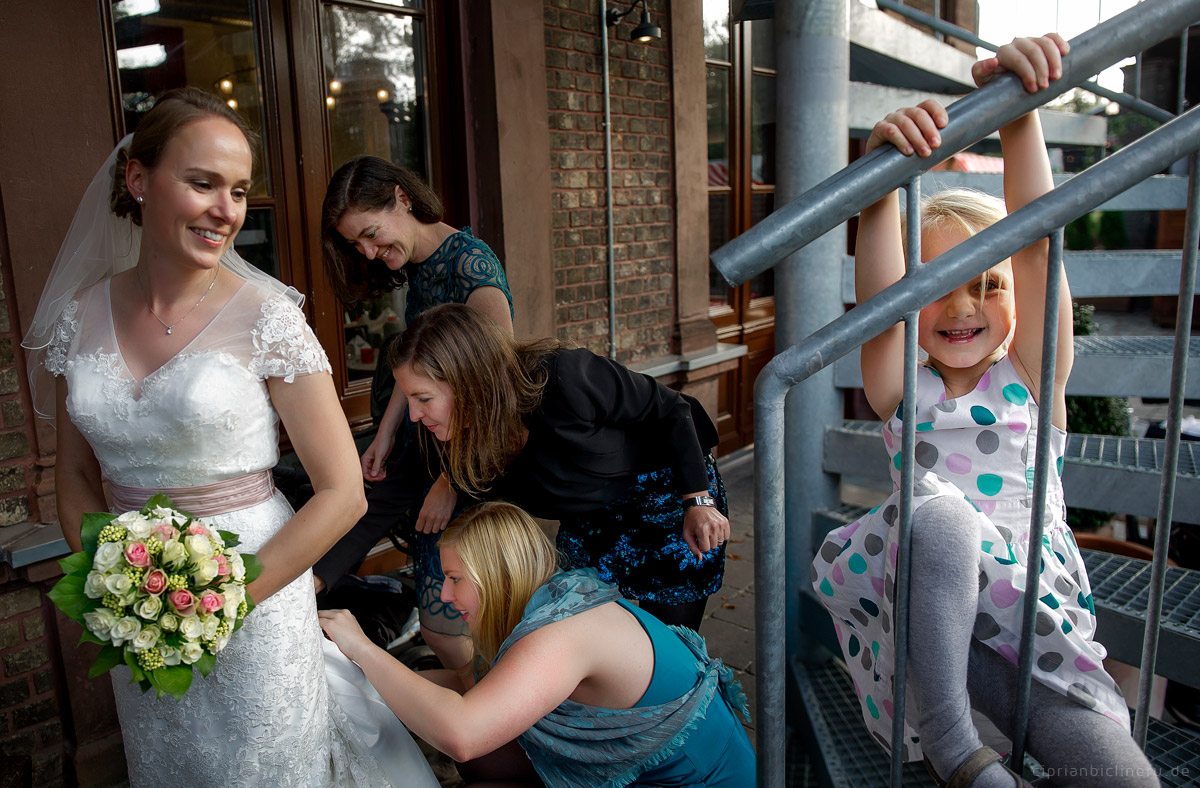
[140, 199]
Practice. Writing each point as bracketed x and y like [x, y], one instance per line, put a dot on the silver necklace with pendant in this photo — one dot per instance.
[171, 326]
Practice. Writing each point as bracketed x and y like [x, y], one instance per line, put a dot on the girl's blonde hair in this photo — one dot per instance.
[494, 379]
[507, 556]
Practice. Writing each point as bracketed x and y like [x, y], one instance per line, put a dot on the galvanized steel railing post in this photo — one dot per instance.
[908, 442]
[1162, 533]
[770, 549]
[1041, 472]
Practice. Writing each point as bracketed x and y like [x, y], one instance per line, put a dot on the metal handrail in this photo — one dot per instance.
[972, 117]
[972, 257]
[1134, 103]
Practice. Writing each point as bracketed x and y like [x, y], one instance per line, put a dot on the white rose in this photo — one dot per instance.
[118, 583]
[210, 626]
[129, 596]
[145, 639]
[94, 587]
[108, 555]
[168, 515]
[170, 654]
[100, 622]
[206, 571]
[137, 525]
[169, 622]
[174, 554]
[149, 608]
[198, 547]
[125, 629]
[237, 567]
[221, 642]
[191, 627]
[191, 652]
[234, 593]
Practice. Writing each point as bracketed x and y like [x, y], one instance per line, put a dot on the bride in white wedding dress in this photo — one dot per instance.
[173, 362]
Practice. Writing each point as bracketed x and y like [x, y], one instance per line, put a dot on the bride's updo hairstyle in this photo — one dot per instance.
[174, 110]
[507, 557]
[368, 183]
[494, 380]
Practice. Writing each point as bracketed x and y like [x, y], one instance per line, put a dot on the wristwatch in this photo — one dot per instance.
[698, 500]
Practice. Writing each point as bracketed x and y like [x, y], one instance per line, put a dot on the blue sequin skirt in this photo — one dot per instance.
[637, 542]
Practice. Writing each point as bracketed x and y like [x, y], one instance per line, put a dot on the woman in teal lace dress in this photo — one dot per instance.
[382, 228]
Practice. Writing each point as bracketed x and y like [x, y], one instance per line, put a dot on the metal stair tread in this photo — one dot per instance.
[1123, 584]
[853, 759]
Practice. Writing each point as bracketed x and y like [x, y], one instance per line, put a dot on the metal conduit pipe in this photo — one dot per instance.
[1166, 499]
[1124, 99]
[608, 178]
[795, 365]
[992, 106]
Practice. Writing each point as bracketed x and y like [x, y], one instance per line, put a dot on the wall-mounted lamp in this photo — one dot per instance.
[644, 31]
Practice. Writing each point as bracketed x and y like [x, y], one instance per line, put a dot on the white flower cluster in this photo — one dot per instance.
[169, 588]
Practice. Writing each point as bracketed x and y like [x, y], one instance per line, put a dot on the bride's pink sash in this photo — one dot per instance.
[204, 500]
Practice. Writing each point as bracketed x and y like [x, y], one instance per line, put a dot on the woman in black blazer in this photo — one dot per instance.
[623, 462]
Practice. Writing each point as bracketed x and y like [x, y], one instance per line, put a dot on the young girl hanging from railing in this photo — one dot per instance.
[977, 401]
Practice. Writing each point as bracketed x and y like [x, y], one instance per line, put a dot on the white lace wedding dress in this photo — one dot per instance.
[283, 707]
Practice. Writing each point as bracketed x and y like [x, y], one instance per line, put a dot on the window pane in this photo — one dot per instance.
[716, 29]
[256, 241]
[762, 33]
[377, 91]
[165, 44]
[401, 3]
[761, 204]
[762, 130]
[719, 222]
[367, 328]
[718, 126]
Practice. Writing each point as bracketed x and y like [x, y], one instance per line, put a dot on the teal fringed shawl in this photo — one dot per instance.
[581, 746]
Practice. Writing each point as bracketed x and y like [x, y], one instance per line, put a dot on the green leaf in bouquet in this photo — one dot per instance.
[158, 500]
[109, 657]
[206, 663]
[88, 637]
[254, 566]
[89, 530]
[138, 674]
[175, 680]
[230, 538]
[68, 596]
[76, 564]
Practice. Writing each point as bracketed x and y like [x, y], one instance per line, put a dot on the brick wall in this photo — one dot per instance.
[16, 454]
[643, 220]
[29, 712]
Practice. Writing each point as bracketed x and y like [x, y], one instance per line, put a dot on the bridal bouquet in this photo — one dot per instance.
[162, 592]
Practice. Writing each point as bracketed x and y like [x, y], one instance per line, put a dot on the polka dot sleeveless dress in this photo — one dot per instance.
[980, 446]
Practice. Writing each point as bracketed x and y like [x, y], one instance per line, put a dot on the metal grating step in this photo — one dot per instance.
[851, 759]
[1104, 367]
[1102, 472]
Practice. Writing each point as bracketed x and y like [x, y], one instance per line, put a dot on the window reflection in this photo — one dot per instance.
[165, 44]
[377, 94]
[255, 241]
[716, 29]
[762, 130]
[719, 223]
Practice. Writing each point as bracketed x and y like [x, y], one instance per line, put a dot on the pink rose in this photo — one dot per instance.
[196, 529]
[155, 582]
[222, 565]
[211, 602]
[137, 554]
[166, 532]
[183, 601]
